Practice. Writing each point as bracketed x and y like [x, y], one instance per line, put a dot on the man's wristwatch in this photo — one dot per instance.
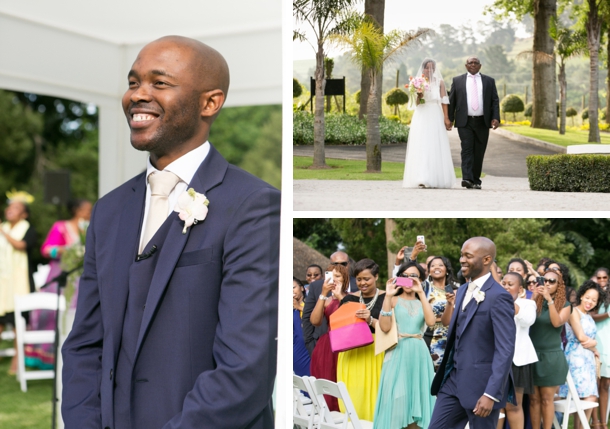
[323, 298]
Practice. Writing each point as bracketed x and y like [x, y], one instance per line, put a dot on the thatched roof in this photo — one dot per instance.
[303, 256]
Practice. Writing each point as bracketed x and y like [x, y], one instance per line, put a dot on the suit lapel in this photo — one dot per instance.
[125, 251]
[209, 174]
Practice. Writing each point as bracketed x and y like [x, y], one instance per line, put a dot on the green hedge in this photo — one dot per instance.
[345, 129]
[569, 173]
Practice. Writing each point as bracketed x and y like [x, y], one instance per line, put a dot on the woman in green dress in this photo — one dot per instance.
[404, 399]
[551, 370]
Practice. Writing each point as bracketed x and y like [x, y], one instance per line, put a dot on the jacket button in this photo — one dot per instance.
[111, 379]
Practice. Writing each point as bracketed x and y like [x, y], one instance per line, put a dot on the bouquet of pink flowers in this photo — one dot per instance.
[417, 85]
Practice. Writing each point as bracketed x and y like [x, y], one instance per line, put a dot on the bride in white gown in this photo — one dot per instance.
[428, 163]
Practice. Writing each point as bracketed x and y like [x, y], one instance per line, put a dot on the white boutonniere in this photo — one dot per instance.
[478, 296]
[192, 207]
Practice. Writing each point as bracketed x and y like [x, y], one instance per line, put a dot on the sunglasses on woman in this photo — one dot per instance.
[550, 281]
[409, 275]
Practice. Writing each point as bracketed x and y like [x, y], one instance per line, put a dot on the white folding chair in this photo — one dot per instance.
[8, 335]
[338, 390]
[303, 411]
[572, 404]
[33, 301]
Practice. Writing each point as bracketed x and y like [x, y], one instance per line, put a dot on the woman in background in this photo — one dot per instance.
[404, 399]
[551, 370]
[323, 359]
[300, 355]
[580, 350]
[602, 322]
[17, 240]
[359, 368]
[63, 234]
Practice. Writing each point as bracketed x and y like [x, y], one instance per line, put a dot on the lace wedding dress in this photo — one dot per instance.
[428, 162]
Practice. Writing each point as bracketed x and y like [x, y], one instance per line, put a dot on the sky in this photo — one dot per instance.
[409, 15]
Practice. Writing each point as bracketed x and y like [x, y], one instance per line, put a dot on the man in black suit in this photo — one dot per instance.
[312, 333]
[475, 107]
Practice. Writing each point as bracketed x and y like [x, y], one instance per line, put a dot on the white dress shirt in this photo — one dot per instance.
[479, 283]
[185, 168]
[525, 353]
[470, 95]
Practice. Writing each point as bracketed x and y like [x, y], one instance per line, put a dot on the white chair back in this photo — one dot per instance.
[572, 404]
[303, 416]
[33, 301]
[338, 390]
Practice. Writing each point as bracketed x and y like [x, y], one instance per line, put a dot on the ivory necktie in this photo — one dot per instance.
[471, 287]
[161, 185]
[475, 93]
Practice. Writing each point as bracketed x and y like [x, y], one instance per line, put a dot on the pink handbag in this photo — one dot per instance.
[346, 330]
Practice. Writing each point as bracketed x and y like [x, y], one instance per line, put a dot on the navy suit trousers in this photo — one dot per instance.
[449, 414]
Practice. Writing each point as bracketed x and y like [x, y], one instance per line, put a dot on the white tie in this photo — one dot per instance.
[471, 287]
[161, 185]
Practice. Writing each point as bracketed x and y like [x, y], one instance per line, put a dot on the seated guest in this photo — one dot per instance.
[580, 350]
[300, 355]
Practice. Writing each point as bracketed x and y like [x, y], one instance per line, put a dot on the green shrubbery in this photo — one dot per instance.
[346, 129]
[569, 173]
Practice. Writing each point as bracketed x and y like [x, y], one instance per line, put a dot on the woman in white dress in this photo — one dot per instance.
[428, 163]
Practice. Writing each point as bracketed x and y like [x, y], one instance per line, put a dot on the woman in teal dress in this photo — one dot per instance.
[551, 369]
[404, 399]
[580, 350]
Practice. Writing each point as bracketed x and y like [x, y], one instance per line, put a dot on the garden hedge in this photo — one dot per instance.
[345, 129]
[569, 173]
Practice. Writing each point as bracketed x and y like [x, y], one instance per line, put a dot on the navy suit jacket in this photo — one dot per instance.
[206, 348]
[458, 101]
[485, 346]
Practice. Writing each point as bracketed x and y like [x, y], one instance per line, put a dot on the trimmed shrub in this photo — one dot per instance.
[345, 129]
[357, 97]
[569, 173]
[528, 110]
[297, 89]
[585, 114]
[512, 104]
[570, 111]
[396, 97]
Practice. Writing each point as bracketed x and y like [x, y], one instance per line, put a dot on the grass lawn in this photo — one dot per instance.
[348, 170]
[18, 410]
[569, 138]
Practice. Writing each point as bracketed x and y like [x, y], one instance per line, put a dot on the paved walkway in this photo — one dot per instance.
[504, 157]
[505, 187]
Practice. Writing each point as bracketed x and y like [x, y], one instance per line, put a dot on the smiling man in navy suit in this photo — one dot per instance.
[176, 321]
[473, 381]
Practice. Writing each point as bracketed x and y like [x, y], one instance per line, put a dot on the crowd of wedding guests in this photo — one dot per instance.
[559, 328]
[18, 240]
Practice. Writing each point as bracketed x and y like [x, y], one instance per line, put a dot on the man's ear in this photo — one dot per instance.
[211, 103]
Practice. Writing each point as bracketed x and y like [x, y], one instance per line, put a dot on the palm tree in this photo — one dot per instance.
[568, 44]
[370, 48]
[323, 18]
[593, 24]
[376, 10]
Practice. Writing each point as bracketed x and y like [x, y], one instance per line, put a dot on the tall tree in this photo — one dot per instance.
[370, 48]
[594, 10]
[376, 10]
[544, 108]
[323, 18]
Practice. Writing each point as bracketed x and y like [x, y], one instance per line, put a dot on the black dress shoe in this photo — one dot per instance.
[467, 184]
[477, 186]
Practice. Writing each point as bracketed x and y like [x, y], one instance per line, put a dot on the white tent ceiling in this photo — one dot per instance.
[82, 50]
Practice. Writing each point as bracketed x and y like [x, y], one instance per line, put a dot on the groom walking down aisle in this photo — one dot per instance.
[475, 107]
[176, 322]
[473, 381]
